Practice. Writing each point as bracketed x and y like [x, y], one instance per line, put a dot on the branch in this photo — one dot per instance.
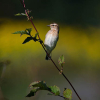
[46, 51]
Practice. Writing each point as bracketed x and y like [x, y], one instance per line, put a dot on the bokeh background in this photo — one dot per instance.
[79, 42]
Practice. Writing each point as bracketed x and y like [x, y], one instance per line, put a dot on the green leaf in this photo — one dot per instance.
[28, 31]
[20, 14]
[36, 35]
[67, 93]
[61, 60]
[34, 38]
[36, 86]
[55, 90]
[20, 32]
[28, 11]
[27, 39]
[33, 92]
[41, 84]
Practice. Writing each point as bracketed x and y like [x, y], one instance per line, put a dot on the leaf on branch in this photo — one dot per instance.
[19, 32]
[55, 90]
[31, 17]
[28, 11]
[28, 31]
[36, 35]
[37, 85]
[27, 39]
[33, 92]
[28, 18]
[61, 60]
[41, 84]
[34, 39]
[67, 93]
[20, 14]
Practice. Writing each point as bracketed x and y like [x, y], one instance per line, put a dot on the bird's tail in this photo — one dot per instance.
[47, 58]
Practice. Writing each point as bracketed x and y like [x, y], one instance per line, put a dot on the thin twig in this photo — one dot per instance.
[60, 96]
[47, 52]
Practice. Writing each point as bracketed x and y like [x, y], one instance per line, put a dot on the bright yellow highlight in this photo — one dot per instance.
[74, 41]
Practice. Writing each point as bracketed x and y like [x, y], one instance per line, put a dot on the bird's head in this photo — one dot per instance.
[54, 26]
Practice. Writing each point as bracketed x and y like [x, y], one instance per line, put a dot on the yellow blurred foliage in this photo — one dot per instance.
[73, 40]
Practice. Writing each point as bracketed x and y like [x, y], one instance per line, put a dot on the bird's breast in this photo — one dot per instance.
[51, 40]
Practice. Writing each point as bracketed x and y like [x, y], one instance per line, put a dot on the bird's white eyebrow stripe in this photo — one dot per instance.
[54, 24]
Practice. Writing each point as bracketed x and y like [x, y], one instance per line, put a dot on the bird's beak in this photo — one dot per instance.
[48, 25]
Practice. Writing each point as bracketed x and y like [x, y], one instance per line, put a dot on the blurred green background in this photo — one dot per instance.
[79, 42]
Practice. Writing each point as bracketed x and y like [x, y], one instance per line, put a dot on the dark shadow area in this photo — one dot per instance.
[3, 66]
[70, 12]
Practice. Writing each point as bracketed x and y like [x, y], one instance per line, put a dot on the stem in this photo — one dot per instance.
[60, 96]
[47, 52]
[29, 17]
[66, 79]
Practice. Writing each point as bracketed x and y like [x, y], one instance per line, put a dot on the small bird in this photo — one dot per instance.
[51, 38]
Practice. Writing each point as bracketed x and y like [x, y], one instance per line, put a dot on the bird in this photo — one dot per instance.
[51, 39]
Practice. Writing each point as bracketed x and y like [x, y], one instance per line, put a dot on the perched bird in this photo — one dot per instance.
[51, 38]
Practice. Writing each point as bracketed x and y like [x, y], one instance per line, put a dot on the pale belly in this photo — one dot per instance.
[50, 42]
